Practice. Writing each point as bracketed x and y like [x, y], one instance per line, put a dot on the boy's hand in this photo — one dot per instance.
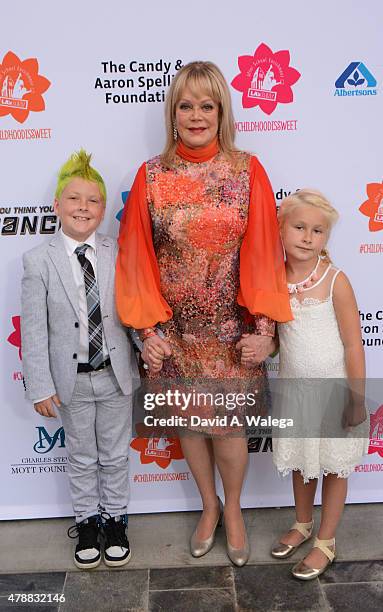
[45, 408]
[154, 352]
[254, 349]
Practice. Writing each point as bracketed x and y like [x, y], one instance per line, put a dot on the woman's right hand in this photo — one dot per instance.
[154, 352]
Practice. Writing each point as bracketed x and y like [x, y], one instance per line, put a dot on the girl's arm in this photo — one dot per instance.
[347, 315]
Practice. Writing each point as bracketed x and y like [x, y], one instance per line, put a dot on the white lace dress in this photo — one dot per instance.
[313, 390]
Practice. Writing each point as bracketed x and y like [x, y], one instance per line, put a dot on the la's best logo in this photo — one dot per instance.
[21, 87]
[265, 79]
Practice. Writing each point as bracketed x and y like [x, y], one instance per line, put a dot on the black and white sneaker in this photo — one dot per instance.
[117, 549]
[87, 554]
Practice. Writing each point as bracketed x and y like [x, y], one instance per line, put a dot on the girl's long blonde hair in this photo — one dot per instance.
[206, 77]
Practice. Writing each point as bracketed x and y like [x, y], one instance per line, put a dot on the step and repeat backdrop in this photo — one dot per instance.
[306, 84]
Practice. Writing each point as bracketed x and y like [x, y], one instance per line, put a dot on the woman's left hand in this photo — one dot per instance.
[254, 349]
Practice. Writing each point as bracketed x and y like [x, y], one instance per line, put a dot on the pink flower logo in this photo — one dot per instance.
[376, 432]
[265, 79]
[15, 337]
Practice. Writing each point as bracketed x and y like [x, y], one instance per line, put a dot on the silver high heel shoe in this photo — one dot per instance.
[282, 551]
[199, 548]
[238, 556]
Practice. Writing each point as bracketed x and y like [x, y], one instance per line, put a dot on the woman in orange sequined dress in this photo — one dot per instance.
[200, 256]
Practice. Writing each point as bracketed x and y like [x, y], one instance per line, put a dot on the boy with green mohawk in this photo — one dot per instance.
[78, 361]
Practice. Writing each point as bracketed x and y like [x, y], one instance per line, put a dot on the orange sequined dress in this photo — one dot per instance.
[200, 254]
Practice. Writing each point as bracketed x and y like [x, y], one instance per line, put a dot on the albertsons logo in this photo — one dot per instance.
[356, 80]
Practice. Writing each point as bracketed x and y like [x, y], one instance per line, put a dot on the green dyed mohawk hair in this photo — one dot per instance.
[78, 166]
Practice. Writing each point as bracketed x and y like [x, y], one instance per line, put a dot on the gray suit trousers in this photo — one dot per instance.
[98, 427]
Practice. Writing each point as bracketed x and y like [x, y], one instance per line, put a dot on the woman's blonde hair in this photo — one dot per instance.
[207, 77]
[309, 197]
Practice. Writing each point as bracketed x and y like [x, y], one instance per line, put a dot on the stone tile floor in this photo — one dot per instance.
[346, 586]
[36, 558]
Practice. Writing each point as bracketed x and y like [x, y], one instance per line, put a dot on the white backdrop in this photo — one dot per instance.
[325, 131]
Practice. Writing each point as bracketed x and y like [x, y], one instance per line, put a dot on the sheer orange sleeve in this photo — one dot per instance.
[138, 294]
[263, 288]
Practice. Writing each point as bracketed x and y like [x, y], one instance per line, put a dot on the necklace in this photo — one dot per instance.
[305, 284]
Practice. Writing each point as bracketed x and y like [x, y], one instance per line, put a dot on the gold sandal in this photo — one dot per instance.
[304, 572]
[282, 551]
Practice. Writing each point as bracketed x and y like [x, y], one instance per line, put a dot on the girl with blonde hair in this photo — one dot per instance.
[319, 349]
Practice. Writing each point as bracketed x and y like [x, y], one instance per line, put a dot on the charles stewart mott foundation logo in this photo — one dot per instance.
[356, 80]
[265, 79]
[21, 87]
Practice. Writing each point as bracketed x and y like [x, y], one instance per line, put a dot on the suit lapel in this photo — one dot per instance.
[61, 262]
[104, 266]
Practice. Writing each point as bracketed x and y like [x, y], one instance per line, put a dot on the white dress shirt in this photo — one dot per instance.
[78, 276]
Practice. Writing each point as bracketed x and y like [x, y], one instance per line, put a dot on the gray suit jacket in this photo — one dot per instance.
[50, 321]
